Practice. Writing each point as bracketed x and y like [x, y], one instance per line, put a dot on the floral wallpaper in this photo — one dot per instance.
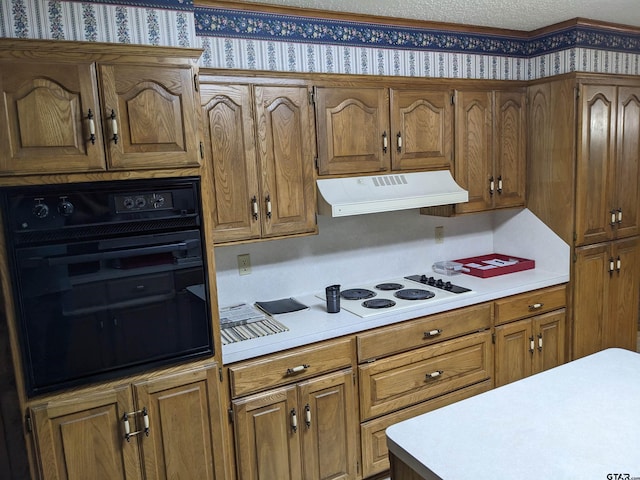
[234, 39]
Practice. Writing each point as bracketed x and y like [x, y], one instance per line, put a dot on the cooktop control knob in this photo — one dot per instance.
[439, 283]
[447, 285]
[65, 207]
[40, 210]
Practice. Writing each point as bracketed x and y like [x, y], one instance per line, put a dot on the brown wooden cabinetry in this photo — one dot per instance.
[83, 435]
[260, 142]
[530, 333]
[585, 152]
[490, 143]
[94, 108]
[377, 129]
[303, 423]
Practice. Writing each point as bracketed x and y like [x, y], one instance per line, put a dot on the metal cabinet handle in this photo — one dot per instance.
[611, 266]
[432, 375]
[619, 216]
[267, 201]
[307, 415]
[92, 127]
[385, 142]
[539, 342]
[531, 344]
[114, 127]
[491, 185]
[613, 217]
[254, 208]
[127, 428]
[500, 184]
[433, 333]
[618, 264]
[536, 306]
[294, 420]
[399, 141]
[299, 368]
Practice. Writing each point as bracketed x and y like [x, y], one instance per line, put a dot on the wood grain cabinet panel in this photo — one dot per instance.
[82, 435]
[260, 142]
[93, 108]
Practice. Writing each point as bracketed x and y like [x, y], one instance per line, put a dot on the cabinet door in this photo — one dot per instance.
[549, 340]
[184, 418]
[626, 192]
[44, 118]
[421, 129]
[509, 148]
[474, 148]
[353, 130]
[284, 121]
[329, 423]
[590, 298]
[622, 322]
[83, 437]
[154, 116]
[595, 162]
[266, 434]
[513, 352]
[229, 133]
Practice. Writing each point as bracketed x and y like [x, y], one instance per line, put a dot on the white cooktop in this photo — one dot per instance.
[357, 308]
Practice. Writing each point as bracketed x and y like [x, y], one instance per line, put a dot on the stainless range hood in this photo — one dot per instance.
[340, 197]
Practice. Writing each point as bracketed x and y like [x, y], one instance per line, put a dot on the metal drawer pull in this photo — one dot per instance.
[536, 306]
[307, 415]
[433, 333]
[299, 368]
[435, 374]
[127, 428]
[294, 420]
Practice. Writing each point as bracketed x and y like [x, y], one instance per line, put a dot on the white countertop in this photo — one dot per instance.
[577, 421]
[315, 324]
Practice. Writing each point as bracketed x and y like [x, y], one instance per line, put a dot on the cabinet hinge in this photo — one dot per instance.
[453, 99]
[316, 162]
[220, 374]
[316, 219]
[493, 338]
[196, 83]
[230, 412]
[201, 151]
[28, 424]
[577, 89]
[357, 467]
[575, 257]
[312, 95]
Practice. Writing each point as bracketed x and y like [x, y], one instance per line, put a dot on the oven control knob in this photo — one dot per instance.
[141, 202]
[40, 210]
[65, 207]
[158, 201]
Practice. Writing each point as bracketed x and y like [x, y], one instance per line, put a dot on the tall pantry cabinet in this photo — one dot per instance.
[584, 182]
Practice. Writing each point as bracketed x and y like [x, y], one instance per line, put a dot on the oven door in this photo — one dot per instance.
[96, 309]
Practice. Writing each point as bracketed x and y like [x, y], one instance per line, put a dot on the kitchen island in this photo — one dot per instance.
[579, 420]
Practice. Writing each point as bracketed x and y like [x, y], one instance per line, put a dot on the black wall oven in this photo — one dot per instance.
[109, 278]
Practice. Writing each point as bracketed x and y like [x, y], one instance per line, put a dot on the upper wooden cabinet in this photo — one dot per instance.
[95, 107]
[260, 142]
[362, 130]
[608, 166]
[490, 143]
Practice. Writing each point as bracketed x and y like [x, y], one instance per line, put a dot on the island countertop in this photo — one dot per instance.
[579, 420]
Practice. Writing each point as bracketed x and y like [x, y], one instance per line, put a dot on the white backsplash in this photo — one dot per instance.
[349, 251]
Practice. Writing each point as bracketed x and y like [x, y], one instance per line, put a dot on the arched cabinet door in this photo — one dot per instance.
[48, 113]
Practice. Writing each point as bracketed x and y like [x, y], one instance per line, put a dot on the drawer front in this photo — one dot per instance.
[423, 331]
[409, 378]
[530, 304]
[375, 454]
[292, 366]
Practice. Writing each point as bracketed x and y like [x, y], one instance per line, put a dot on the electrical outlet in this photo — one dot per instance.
[439, 234]
[244, 264]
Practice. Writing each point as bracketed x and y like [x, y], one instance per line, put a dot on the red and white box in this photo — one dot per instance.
[494, 264]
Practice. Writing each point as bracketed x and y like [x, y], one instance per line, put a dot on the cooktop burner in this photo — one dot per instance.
[378, 303]
[357, 294]
[414, 294]
[389, 286]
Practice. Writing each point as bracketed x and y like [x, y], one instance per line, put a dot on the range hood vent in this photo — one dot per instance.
[340, 197]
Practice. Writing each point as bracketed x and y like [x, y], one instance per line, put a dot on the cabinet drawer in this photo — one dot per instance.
[408, 378]
[292, 366]
[529, 304]
[375, 454]
[423, 331]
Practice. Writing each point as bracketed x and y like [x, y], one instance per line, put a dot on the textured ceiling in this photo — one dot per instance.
[524, 15]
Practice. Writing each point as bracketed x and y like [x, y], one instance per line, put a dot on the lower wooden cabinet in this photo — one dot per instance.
[307, 430]
[83, 435]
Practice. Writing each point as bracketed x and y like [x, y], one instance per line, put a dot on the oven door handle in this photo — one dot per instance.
[113, 254]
